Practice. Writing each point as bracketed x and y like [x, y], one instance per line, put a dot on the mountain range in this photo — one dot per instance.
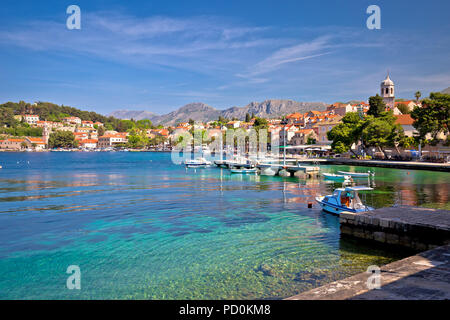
[202, 112]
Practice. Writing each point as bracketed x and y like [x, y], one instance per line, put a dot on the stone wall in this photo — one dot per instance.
[409, 231]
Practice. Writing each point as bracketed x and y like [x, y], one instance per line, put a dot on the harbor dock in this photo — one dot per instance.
[422, 276]
[413, 227]
[411, 165]
[290, 168]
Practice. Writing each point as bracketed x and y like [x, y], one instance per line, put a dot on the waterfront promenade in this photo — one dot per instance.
[422, 276]
[425, 276]
[412, 165]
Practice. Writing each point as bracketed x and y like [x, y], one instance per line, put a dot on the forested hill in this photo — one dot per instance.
[51, 112]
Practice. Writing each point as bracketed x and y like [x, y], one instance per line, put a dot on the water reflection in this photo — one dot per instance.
[203, 234]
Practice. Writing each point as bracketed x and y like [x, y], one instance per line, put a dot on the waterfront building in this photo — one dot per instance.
[288, 131]
[301, 137]
[13, 144]
[89, 143]
[81, 136]
[406, 122]
[110, 140]
[37, 144]
[324, 127]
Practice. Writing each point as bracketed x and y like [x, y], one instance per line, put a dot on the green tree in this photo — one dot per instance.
[310, 140]
[62, 139]
[382, 132]
[247, 117]
[347, 133]
[418, 94]
[101, 131]
[261, 123]
[376, 106]
[403, 108]
[434, 117]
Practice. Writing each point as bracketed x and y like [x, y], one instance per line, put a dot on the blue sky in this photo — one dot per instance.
[160, 55]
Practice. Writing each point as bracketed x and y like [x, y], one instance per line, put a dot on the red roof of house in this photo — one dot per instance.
[15, 140]
[36, 140]
[304, 131]
[295, 115]
[404, 119]
[404, 102]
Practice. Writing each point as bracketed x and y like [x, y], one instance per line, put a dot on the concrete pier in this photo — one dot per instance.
[414, 227]
[425, 276]
[287, 170]
[411, 165]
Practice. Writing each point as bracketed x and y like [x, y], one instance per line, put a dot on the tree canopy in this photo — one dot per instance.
[434, 115]
[376, 106]
[62, 139]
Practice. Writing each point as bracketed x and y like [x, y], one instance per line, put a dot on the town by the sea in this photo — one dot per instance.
[140, 227]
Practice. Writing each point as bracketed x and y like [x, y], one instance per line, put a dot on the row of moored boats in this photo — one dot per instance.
[346, 199]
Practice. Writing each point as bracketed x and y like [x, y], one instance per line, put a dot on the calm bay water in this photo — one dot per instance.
[140, 227]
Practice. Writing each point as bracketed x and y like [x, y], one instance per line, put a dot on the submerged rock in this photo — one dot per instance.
[309, 277]
[265, 269]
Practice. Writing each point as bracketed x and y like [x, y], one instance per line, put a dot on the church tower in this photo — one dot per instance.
[387, 92]
[46, 134]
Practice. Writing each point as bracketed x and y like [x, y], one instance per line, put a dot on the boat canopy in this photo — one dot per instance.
[358, 188]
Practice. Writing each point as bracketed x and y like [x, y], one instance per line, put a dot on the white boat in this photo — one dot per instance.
[336, 177]
[244, 171]
[197, 163]
[358, 174]
[344, 199]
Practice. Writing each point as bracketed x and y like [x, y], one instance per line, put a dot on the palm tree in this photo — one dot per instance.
[418, 94]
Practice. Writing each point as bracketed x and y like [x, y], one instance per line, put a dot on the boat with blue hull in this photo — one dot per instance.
[344, 200]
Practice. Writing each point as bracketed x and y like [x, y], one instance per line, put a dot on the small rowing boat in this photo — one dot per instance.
[357, 174]
[336, 177]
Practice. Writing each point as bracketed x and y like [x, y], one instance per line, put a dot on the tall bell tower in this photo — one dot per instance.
[388, 92]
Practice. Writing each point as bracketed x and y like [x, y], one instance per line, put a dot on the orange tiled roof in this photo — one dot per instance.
[15, 140]
[404, 119]
[305, 131]
[36, 140]
[295, 115]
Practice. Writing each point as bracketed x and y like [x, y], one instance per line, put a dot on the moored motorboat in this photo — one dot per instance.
[344, 199]
[358, 174]
[197, 163]
[336, 177]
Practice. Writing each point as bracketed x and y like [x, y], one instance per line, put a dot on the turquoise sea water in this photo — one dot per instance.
[140, 227]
